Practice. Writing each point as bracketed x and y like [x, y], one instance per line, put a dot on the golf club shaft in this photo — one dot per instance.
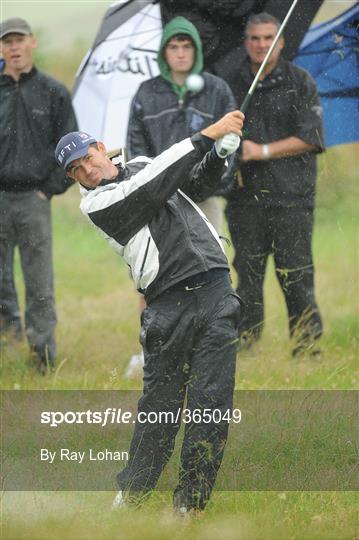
[253, 86]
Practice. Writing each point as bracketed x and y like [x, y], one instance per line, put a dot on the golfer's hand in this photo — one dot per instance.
[227, 145]
[252, 151]
[229, 123]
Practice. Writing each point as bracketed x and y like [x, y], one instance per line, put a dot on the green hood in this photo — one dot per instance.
[180, 25]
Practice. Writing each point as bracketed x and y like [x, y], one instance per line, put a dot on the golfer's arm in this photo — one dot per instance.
[122, 211]
[291, 146]
[205, 177]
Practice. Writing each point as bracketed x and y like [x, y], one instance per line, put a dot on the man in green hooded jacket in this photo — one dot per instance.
[164, 110]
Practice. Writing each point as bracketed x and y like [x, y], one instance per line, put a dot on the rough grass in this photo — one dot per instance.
[230, 516]
[97, 333]
[98, 327]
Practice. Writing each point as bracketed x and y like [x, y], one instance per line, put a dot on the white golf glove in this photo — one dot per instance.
[227, 145]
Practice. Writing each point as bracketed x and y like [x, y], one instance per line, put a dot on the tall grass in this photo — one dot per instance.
[97, 333]
[229, 516]
[98, 307]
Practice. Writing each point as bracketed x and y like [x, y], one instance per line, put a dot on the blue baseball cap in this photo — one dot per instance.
[72, 146]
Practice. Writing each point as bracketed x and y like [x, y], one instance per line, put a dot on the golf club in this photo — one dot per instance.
[253, 86]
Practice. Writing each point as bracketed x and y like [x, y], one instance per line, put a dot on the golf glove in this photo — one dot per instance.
[227, 145]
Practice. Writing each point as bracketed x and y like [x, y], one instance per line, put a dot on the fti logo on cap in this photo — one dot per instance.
[65, 150]
[72, 146]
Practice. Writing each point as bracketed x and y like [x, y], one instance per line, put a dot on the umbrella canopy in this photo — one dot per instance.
[330, 52]
[124, 55]
[124, 52]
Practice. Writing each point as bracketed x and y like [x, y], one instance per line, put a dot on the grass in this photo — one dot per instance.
[230, 516]
[97, 334]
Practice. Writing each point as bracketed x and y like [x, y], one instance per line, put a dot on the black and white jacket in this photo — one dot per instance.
[148, 215]
[158, 118]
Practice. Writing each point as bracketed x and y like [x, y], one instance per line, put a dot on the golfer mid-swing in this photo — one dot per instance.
[189, 328]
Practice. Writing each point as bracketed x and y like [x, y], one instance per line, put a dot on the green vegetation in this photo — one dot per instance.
[230, 516]
[98, 332]
[98, 307]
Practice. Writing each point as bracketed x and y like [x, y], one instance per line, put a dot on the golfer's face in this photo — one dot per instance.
[180, 55]
[258, 40]
[17, 52]
[91, 169]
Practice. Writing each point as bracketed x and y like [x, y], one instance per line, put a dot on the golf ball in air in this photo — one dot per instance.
[194, 83]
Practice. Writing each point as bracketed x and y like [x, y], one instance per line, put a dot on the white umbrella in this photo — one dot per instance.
[124, 55]
[125, 50]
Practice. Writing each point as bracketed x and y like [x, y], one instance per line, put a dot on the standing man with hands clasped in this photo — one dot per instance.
[190, 325]
[270, 210]
[35, 110]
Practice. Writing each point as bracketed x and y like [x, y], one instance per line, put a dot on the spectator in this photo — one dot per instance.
[164, 111]
[270, 210]
[35, 110]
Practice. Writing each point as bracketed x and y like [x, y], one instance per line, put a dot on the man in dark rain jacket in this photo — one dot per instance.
[271, 208]
[35, 110]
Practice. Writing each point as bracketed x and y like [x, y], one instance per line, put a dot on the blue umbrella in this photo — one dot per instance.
[330, 52]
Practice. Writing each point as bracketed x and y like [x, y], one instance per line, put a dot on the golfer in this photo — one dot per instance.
[148, 214]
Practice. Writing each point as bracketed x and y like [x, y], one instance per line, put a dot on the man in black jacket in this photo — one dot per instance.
[189, 327]
[35, 110]
[271, 209]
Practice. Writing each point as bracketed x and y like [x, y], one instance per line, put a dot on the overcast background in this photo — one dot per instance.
[61, 24]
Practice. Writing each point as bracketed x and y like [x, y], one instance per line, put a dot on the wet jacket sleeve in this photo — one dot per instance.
[226, 103]
[206, 176]
[123, 208]
[63, 121]
[309, 124]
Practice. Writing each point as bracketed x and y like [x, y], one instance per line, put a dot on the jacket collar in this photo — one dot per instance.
[272, 78]
[4, 77]
[84, 190]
